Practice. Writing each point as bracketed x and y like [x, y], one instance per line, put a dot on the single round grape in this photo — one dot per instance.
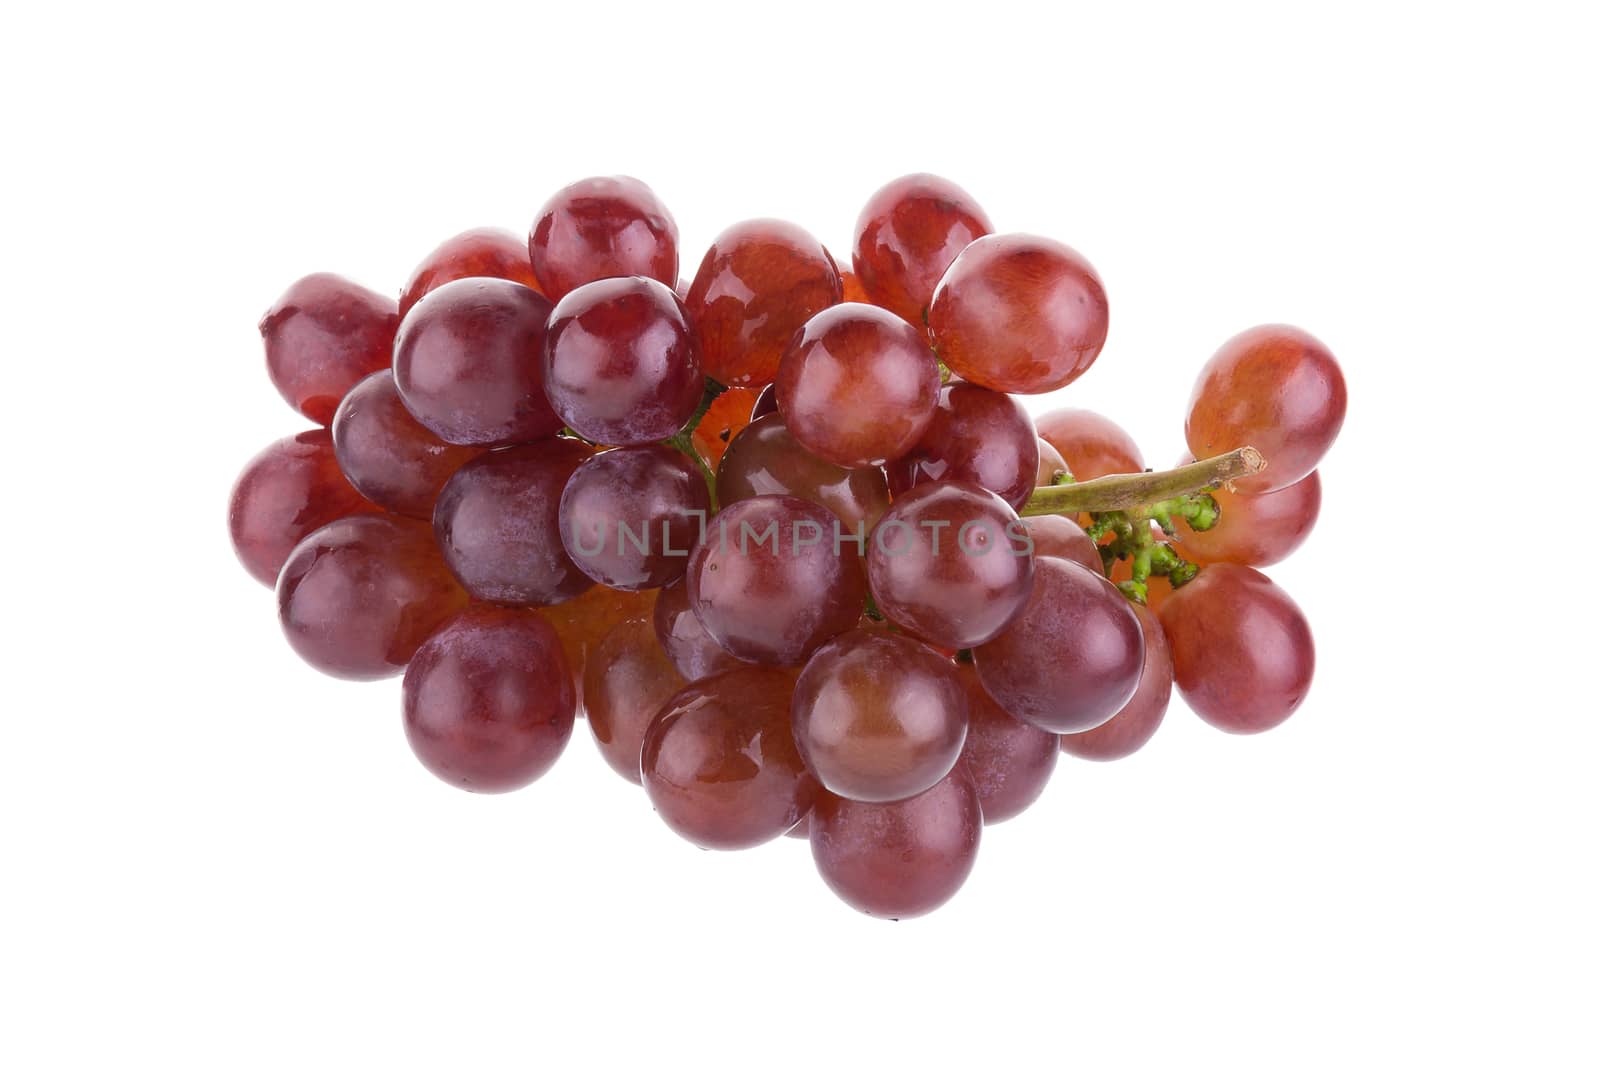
[288, 489]
[879, 716]
[489, 700]
[1020, 314]
[1242, 654]
[498, 524]
[1274, 387]
[467, 363]
[1257, 529]
[692, 650]
[620, 364]
[1059, 536]
[771, 582]
[1072, 658]
[907, 235]
[391, 458]
[725, 417]
[766, 403]
[584, 621]
[979, 437]
[629, 516]
[719, 762]
[1091, 445]
[1009, 760]
[857, 385]
[1051, 464]
[902, 859]
[759, 283]
[627, 681]
[325, 334]
[602, 228]
[1128, 730]
[766, 460]
[950, 563]
[485, 252]
[360, 595]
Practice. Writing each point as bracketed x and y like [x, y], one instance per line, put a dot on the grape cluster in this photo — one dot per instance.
[782, 533]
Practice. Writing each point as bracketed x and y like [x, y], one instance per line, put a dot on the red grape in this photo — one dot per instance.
[1091, 445]
[290, 488]
[629, 516]
[1072, 659]
[901, 859]
[620, 363]
[498, 524]
[771, 582]
[766, 460]
[325, 334]
[725, 417]
[584, 621]
[1257, 529]
[626, 682]
[1242, 653]
[1019, 314]
[949, 562]
[979, 437]
[486, 252]
[1059, 536]
[1128, 730]
[907, 235]
[758, 284]
[766, 403]
[1010, 761]
[489, 699]
[467, 363]
[879, 716]
[857, 385]
[1051, 464]
[390, 457]
[359, 596]
[719, 762]
[850, 288]
[602, 228]
[693, 651]
[1274, 387]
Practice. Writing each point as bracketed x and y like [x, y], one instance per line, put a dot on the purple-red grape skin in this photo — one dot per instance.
[621, 366]
[879, 716]
[1091, 445]
[903, 859]
[1276, 388]
[1257, 529]
[612, 227]
[629, 516]
[692, 650]
[359, 596]
[759, 283]
[489, 699]
[979, 437]
[498, 524]
[719, 761]
[1009, 760]
[626, 682]
[1072, 658]
[1051, 464]
[857, 385]
[287, 490]
[1019, 314]
[485, 252]
[769, 583]
[949, 562]
[391, 458]
[764, 459]
[1242, 653]
[1130, 729]
[324, 334]
[466, 361]
[907, 235]
[1059, 536]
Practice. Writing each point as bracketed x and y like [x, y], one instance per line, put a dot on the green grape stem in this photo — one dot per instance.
[1143, 492]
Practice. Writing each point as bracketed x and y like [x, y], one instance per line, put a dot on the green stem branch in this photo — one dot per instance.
[1131, 492]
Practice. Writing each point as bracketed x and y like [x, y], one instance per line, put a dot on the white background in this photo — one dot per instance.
[214, 855]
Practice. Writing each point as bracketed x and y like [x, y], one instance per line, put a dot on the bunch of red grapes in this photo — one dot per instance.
[779, 531]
